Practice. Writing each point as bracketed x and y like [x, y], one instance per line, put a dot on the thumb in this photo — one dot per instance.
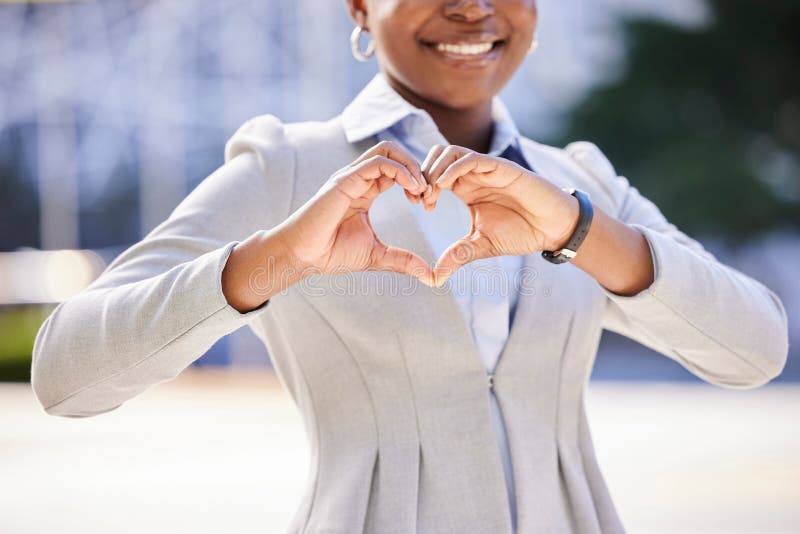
[460, 253]
[401, 261]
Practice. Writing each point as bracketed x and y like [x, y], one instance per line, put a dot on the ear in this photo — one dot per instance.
[358, 12]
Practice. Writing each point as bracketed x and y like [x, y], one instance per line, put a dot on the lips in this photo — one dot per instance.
[472, 50]
[468, 40]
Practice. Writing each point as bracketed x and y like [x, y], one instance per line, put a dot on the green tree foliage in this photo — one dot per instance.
[706, 122]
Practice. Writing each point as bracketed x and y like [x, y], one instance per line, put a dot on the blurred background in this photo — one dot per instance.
[112, 111]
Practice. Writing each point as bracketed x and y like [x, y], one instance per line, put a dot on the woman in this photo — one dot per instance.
[425, 411]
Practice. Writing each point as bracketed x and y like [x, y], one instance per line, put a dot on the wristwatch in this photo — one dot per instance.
[570, 250]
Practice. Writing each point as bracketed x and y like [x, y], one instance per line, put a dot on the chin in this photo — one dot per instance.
[463, 97]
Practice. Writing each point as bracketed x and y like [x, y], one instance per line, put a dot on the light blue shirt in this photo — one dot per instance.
[485, 289]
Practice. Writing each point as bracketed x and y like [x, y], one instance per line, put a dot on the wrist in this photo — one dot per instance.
[568, 217]
[569, 250]
[257, 269]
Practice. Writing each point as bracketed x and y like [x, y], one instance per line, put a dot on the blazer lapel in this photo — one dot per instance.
[535, 283]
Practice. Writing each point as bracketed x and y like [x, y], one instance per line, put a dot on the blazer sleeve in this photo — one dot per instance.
[159, 305]
[721, 325]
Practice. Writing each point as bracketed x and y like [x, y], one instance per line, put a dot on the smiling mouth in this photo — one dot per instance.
[466, 50]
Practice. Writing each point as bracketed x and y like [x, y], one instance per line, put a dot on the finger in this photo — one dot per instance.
[486, 170]
[449, 155]
[431, 195]
[398, 153]
[460, 253]
[374, 168]
[429, 198]
[465, 165]
[433, 155]
[402, 261]
[414, 199]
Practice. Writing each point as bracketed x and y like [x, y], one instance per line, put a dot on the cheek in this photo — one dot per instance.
[395, 29]
[522, 15]
[397, 45]
[523, 28]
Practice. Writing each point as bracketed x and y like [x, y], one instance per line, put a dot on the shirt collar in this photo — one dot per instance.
[379, 107]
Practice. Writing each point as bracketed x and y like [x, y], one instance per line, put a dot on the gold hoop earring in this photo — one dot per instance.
[354, 40]
[534, 46]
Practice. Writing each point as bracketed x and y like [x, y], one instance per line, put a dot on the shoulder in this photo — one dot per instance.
[580, 164]
[255, 135]
[295, 156]
[267, 135]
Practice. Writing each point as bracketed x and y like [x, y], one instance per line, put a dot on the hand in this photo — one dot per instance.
[331, 233]
[513, 210]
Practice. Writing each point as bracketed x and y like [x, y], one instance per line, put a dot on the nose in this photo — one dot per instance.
[469, 10]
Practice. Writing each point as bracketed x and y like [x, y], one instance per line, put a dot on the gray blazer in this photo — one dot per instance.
[392, 391]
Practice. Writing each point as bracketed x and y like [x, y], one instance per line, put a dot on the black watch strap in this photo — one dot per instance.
[584, 222]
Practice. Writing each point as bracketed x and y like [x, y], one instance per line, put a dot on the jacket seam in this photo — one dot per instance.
[316, 433]
[293, 189]
[416, 420]
[410, 385]
[366, 386]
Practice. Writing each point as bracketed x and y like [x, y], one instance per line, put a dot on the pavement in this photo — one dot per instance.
[223, 450]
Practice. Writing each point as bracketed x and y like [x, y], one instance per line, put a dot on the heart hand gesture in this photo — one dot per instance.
[513, 210]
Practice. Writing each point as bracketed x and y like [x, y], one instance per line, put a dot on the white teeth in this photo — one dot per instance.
[465, 49]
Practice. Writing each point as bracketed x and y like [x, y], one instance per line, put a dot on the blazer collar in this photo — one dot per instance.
[379, 107]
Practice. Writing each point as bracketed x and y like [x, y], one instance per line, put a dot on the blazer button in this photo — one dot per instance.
[491, 381]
